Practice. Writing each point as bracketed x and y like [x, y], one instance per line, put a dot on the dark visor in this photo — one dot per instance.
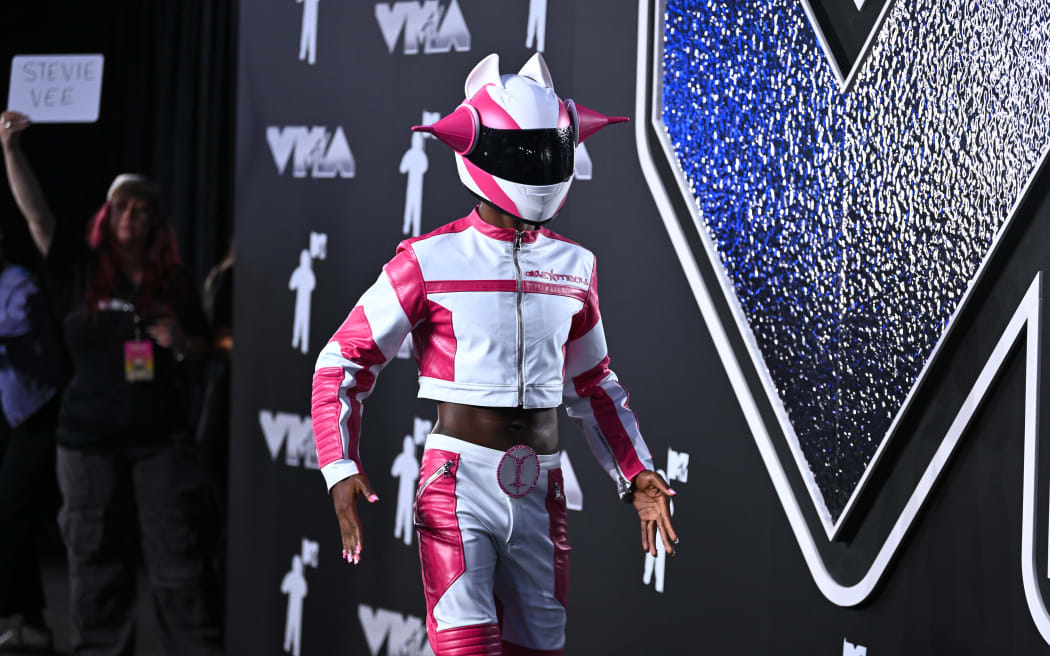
[532, 157]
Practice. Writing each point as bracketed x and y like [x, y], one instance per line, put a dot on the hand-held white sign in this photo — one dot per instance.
[56, 88]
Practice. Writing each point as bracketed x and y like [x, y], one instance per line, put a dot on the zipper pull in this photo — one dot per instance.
[448, 469]
[623, 488]
[517, 240]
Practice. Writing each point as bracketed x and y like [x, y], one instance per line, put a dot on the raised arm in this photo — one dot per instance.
[24, 186]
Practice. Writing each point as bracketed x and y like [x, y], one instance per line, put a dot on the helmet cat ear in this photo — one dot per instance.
[536, 70]
[459, 130]
[587, 121]
[486, 72]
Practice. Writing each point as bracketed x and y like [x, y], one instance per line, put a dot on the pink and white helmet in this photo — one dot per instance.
[515, 139]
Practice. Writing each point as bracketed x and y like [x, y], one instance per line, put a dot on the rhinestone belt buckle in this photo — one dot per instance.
[518, 471]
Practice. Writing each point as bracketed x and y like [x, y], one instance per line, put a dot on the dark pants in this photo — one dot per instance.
[27, 497]
[115, 497]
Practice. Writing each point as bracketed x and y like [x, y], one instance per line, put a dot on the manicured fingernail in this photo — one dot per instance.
[344, 553]
[671, 492]
[373, 498]
[357, 559]
[676, 541]
[357, 550]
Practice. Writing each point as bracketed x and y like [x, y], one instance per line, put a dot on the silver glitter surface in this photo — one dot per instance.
[850, 224]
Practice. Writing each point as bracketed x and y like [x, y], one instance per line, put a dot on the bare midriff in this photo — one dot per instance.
[500, 428]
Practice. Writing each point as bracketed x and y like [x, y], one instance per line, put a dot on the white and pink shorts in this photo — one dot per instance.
[494, 549]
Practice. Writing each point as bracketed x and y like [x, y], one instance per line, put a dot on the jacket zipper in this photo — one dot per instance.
[443, 470]
[623, 485]
[521, 321]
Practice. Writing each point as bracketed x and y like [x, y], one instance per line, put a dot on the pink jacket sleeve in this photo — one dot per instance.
[347, 367]
[597, 402]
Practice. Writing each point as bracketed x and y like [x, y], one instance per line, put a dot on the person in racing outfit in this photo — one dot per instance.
[504, 321]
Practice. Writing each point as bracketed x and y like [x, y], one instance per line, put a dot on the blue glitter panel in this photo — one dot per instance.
[850, 224]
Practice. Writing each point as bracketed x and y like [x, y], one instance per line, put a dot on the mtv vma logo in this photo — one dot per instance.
[414, 164]
[537, 29]
[846, 33]
[308, 33]
[405, 469]
[809, 274]
[294, 586]
[315, 152]
[295, 433]
[403, 635]
[303, 282]
[848, 648]
[436, 26]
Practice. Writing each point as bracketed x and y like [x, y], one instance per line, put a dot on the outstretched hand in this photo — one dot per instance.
[652, 500]
[344, 498]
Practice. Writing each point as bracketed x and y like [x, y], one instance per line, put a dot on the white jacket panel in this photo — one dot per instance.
[498, 318]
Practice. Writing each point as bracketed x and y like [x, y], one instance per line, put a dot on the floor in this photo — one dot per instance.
[56, 590]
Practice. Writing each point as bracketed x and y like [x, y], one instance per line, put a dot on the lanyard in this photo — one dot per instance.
[122, 305]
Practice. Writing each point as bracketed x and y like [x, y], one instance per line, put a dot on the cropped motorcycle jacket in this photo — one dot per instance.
[498, 318]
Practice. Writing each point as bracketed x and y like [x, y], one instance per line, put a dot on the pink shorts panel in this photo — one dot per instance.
[437, 526]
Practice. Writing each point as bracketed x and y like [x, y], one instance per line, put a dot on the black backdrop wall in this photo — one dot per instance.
[324, 172]
[319, 156]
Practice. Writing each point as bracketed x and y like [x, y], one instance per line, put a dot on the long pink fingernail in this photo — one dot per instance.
[373, 499]
[357, 550]
[357, 559]
[344, 553]
[671, 492]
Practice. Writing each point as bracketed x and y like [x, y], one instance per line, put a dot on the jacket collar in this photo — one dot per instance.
[502, 234]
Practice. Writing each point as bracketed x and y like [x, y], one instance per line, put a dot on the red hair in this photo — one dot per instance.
[162, 281]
